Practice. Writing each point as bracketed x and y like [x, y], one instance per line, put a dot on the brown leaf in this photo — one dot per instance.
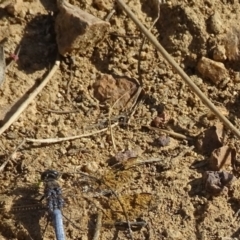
[118, 91]
[220, 157]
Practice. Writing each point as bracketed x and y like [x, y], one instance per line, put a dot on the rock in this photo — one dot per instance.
[215, 181]
[232, 43]
[173, 233]
[160, 120]
[102, 4]
[125, 155]
[215, 23]
[118, 91]
[219, 53]
[236, 76]
[222, 157]
[78, 31]
[210, 139]
[13, 7]
[162, 141]
[213, 70]
[90, 167]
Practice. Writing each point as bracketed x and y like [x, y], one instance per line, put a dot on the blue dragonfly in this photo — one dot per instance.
[72, 210]
[64, 209]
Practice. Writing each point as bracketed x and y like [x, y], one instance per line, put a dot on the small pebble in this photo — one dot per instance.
[216, 23]
[12, 135]
[163, 141]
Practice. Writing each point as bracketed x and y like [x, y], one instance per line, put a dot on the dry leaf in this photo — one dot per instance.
[220, 157]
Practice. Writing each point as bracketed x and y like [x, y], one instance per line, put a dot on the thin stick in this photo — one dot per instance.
[184, 76]
[98, 226]
[25, 104]
[135, 104]
[143, 41]
[57, 140]
[151, 160]
[154, 160]
[60, 111]
[173, 134]
[69, 82]
[110, 114]
[109, 16]
[2, 64]
[11, 156]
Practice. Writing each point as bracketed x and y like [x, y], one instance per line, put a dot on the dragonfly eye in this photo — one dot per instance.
[49, 175]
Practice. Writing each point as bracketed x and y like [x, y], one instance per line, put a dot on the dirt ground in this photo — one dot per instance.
[168, 194]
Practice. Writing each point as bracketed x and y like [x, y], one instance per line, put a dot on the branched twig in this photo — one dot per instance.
[178, 69]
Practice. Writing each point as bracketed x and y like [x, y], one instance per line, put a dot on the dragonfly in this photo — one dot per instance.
[55, 202]
[72, 209]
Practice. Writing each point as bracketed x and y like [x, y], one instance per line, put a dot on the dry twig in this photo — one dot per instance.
[173, 134]
[25, 104]
[11, 156]
[178, 69]
[143, 41]
[61, 111]
[57, 140]
[98, 226]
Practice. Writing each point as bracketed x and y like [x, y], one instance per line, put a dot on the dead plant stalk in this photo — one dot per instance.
[25, 104]
[179, 70]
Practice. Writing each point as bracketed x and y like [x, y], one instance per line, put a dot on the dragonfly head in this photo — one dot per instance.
[49, 175]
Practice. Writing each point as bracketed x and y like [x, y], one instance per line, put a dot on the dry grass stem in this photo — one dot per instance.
[179, 70]
[11, 156]
[143, 41]
[57, 140]
[173, 134]
[98, 226]
[25, 104]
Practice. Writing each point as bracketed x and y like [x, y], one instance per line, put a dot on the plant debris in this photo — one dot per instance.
[222, 157]
[2, 65]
